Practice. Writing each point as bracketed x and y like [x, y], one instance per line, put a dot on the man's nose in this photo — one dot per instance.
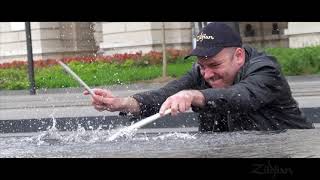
[207, 73]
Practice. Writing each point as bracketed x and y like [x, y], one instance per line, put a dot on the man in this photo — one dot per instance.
[231, 87]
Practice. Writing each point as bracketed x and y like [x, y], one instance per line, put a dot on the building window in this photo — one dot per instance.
[275, 28]
[249, 31]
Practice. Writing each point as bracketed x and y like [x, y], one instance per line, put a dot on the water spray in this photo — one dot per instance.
[123, 131]
[137, 125]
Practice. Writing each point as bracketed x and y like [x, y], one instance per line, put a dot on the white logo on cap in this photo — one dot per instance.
[202, 36]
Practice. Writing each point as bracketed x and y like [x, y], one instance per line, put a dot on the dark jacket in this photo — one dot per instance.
[259, 99]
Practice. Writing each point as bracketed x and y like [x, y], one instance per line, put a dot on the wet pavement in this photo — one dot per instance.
[20, 110]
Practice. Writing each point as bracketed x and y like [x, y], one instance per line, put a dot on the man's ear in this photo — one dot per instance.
[240, 56]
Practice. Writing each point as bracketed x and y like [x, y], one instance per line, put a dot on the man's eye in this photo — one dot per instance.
[214, 65]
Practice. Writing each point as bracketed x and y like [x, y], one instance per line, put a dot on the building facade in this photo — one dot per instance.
[50, 40]
[54, 40]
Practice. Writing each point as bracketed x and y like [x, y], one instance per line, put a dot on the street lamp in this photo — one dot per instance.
[30, 59]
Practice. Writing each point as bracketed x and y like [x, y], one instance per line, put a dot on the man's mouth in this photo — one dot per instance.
[214, 79]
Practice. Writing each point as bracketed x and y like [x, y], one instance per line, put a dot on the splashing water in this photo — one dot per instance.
[122, 133]
[154, 143]
[50, 136]
[53, 136]
[175, 135]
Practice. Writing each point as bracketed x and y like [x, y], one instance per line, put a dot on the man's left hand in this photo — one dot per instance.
[182, 101]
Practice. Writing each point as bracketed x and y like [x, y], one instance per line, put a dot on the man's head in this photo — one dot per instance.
[219, 54]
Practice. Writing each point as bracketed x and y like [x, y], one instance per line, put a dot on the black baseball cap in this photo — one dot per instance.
[213, 38]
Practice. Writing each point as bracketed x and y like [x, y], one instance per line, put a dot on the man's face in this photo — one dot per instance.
[220, 71]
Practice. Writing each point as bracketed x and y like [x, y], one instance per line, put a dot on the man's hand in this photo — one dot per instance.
[182, 101]
[104, 100]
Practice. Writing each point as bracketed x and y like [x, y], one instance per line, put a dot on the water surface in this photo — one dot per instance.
[158, 143]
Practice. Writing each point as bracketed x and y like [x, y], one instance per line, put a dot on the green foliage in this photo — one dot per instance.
[13, 79]
[297, 61]
[300, 61]
[128, 63]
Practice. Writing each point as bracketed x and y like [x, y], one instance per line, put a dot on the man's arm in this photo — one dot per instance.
[151, 101]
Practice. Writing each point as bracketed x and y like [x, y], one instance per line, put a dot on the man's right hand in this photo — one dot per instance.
[105, 100]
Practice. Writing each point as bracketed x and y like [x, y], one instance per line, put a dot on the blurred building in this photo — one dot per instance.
[49, 40]
[265, 34]
[131, 37]
[64, 39]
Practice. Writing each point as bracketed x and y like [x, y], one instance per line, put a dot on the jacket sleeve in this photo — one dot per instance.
[261, 85]
[151, 101]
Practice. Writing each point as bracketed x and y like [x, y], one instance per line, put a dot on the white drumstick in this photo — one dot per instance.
[138, 125]
[76, 77]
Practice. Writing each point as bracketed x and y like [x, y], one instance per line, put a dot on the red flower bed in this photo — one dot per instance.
[152, 57]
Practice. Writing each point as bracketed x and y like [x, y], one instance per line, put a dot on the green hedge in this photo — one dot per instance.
[294, 61]
[94, 74]
[297, 61]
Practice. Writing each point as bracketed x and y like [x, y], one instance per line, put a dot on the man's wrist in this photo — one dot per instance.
[129, 104]
[198, 98]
